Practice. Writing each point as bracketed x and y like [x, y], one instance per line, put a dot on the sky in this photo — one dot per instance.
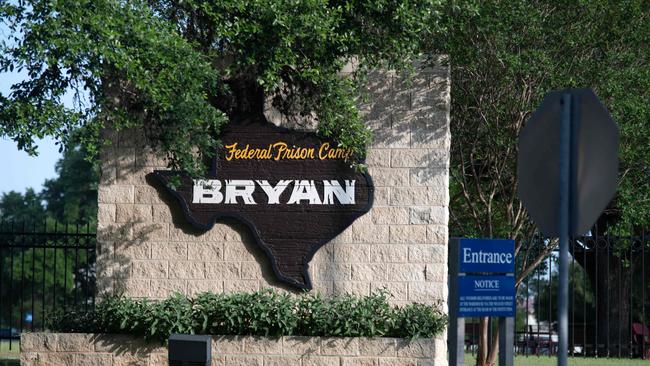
[18, 170]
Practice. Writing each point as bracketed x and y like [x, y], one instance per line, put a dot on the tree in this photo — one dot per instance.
[180, 70]
[505, 56]
[15, 206]
[71, 197]
[581, 296]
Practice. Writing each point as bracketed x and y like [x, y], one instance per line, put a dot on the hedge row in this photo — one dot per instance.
[266, 313]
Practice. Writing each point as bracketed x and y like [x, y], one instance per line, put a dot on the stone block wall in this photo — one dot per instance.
[146, 249]
[78, 349]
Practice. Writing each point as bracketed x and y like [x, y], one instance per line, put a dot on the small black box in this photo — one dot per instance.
[190, 350]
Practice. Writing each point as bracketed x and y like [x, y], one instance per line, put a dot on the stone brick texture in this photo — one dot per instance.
[146, 249]
[75, 349]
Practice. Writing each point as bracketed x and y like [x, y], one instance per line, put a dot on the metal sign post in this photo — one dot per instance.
[506, 341]
[564, 224]
[456, 328]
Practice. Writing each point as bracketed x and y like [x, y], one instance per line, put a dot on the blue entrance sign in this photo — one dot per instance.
[486, 296]
[481, 283]
[486, 256]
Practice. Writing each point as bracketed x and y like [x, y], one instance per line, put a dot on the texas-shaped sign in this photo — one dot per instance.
[294, 191]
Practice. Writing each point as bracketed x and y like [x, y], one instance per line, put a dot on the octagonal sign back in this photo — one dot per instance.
[593, 161]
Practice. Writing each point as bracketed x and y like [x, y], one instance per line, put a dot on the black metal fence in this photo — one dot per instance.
[608, 293]
[44, 267]
[47, 267]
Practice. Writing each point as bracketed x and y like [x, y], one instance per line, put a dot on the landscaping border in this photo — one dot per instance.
[85, 349]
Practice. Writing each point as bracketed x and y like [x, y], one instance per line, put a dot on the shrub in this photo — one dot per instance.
[264, 313]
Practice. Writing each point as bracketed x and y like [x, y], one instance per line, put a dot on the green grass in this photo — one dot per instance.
[9, 357]
[573, 361]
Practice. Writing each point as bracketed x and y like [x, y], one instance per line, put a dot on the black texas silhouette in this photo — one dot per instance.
[289, 234]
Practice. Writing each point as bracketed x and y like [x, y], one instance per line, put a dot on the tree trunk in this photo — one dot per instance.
[481, 358]
[494, 351]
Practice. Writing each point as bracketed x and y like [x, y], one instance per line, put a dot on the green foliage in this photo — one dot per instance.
[582, 302]
[264, 313]
[418, 320]
[181, 70]
[39, 279]
[505, 57]
[71, 197]
[348, 316]
[15, 206]
[521, 318]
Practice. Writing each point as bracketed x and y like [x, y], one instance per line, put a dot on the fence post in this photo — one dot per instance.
[456, 329]
[506, 341]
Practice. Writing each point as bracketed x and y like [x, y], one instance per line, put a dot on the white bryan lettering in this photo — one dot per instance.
[333, 188]
[206, 191]
[240, 188]
[304, 190]
[273, 193]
